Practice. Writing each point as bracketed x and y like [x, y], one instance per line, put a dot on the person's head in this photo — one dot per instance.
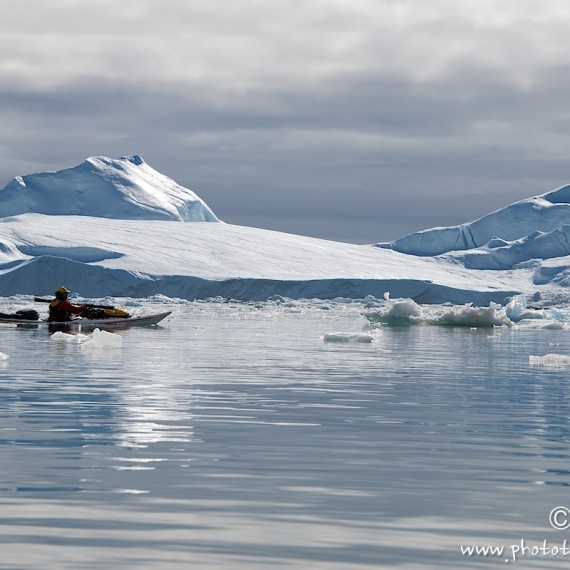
[62, 293]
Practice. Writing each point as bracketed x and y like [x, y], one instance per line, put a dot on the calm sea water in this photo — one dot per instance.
[234, 437]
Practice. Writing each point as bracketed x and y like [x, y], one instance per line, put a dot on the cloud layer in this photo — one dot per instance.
[357, 121]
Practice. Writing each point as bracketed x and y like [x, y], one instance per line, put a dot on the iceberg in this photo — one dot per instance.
[138, 258]
[542, 213]
[535, 246]
[117, 227]
[531, 235]
[123, 188]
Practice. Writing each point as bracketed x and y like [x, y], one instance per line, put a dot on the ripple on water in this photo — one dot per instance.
[235, 437]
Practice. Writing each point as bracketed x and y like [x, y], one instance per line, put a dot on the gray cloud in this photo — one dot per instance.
[358, 122]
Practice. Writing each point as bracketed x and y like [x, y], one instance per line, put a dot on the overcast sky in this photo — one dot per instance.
[353, 120]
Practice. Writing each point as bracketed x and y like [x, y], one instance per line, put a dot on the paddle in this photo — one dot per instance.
[40, 300]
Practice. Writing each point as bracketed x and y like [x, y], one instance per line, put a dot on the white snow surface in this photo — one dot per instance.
[137, 258]
[122, 188]
[543, 213]
[501, 254]
[116, 227]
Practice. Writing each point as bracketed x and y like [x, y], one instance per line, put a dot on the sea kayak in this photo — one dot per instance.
[83, 322]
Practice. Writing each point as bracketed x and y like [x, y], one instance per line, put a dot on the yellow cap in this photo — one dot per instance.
[63, 289]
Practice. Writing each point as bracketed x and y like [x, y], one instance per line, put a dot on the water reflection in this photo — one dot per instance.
[236, 437]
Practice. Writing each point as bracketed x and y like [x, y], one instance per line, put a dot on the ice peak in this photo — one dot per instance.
[124, 188]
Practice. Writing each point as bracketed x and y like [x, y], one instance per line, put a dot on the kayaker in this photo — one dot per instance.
[60, 309]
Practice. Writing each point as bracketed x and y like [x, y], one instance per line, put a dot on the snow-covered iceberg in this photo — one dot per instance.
[531, 235]
[500, 254]
[542, 213]
[138, 258]
[117, 227]
[122, 188]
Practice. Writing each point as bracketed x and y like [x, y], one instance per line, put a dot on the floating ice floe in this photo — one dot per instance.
[549, 360]
[554, 326]
[408, 312]
[4, 356]
[66, 337]
[103, 339]
[469, 316]
[348, 337]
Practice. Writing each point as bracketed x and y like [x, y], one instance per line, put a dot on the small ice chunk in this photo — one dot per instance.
[4, 356]
[558, 315]
[397, 312]
[549, 360]
[554, 326]
[348, 337]
[469, 316]
[66, 337]
[516, 307]
[103, 339]
[58, 335]
[407, 309]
